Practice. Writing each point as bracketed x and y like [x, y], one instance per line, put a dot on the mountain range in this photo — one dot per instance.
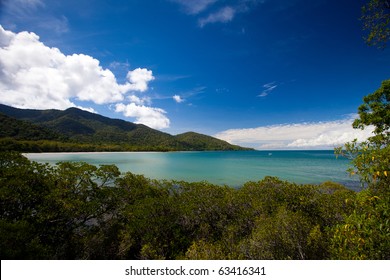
[76, 130]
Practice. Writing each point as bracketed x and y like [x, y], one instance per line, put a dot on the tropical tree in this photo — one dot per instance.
[366, 232]
[371, 158]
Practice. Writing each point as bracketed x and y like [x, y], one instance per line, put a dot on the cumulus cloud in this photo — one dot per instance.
[35, 76]
[317, 135]
[139, 79]
[178, 98]
[153, 117]
[223, 15]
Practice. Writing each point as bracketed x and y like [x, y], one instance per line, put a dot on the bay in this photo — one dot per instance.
[232, 168]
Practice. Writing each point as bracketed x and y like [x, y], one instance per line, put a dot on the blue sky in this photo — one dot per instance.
[270, 74]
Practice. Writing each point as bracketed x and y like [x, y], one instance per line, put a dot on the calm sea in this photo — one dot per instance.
[223, 168]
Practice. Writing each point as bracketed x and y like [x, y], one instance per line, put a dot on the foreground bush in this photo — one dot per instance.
[80, 211]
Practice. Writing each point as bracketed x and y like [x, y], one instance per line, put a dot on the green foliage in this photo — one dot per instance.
[280, 236]
[22, 130]
[53, 212]
[291, 221]
[376, 20]
[375, 111]
[370, 162]
[365, 233]
[81, 211]
[371, 159]
[203, 250]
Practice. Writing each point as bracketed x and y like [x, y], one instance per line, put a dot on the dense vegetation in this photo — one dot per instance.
[366, 233]
[76, 130]
[22, 130]
[80, 211]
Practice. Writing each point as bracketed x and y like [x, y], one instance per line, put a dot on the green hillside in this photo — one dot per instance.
[23, 130]
[204, 142]
[93, 132]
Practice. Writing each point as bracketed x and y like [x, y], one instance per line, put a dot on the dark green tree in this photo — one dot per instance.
[375, 111]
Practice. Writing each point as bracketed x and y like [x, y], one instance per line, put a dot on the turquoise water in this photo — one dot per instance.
[224, 168]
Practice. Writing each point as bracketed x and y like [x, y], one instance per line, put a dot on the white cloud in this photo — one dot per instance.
[139, 79]
[5, 37]
[216, 11]
[152, 117]
[139, 100]
[89, 109]
[297, 136]
[28, 11]
[35, 76]
[195, 6]
[119, 65]
[32, 3]
[178, 99]
[267, 88]
[224, 15]
[20, 6]
[57, 24]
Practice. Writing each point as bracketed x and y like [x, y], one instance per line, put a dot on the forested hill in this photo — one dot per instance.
[24, 130]
[202, 142]
[77, 130]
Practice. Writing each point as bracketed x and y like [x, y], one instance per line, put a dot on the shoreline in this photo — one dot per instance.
[183, 151]
[233, 169]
